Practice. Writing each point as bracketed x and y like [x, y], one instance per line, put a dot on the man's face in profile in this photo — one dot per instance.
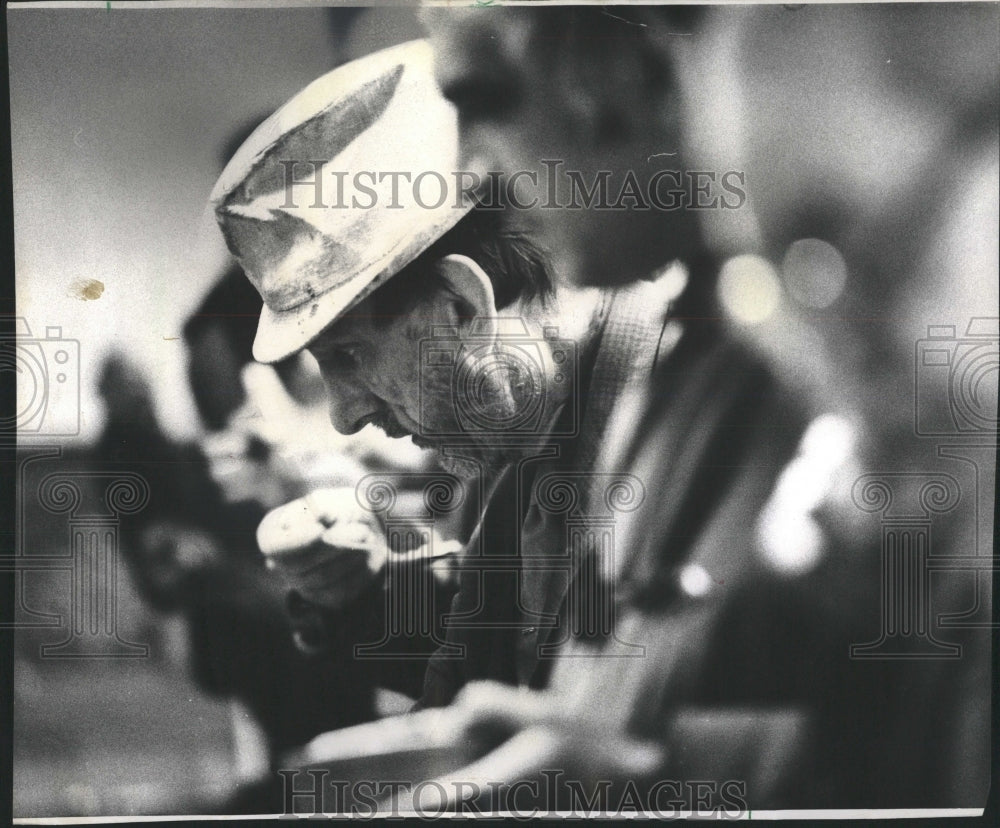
[375, 374]
[370, 368]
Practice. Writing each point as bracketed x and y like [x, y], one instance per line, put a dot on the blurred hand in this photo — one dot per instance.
[327, 548]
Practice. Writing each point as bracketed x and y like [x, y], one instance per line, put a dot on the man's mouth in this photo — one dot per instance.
[387, 423]
[390, 424]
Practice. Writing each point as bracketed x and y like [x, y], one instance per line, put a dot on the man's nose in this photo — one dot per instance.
[350, 406]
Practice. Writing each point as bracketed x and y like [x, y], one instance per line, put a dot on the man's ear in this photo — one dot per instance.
[473, 290]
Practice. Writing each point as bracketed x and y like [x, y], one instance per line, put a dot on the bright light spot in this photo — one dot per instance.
[791, 541]
[671, 281]
[749, 288]
[694, 580]
[802, 486]
[789, 537]
[806, 481]
[828, 441]
[814, 273]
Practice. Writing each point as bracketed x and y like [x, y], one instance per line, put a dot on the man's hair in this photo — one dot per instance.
[517, 267]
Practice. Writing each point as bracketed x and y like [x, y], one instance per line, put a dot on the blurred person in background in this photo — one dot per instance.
[832, 152]
[865, 141]
[193, 552]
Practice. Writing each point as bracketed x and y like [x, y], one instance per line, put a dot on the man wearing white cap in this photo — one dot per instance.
[433, 319]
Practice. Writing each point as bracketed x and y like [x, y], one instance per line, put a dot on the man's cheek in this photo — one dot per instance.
[434, 407]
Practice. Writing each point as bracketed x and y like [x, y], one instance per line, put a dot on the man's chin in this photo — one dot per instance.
[467, 461]
[463, 467]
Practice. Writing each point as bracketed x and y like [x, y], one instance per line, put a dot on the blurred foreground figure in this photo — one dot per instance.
[861, 164]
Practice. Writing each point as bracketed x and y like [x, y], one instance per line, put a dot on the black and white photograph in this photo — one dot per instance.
[478, 409]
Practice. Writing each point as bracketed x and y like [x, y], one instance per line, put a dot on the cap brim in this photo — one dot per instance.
[280, 334]
[283, 333]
